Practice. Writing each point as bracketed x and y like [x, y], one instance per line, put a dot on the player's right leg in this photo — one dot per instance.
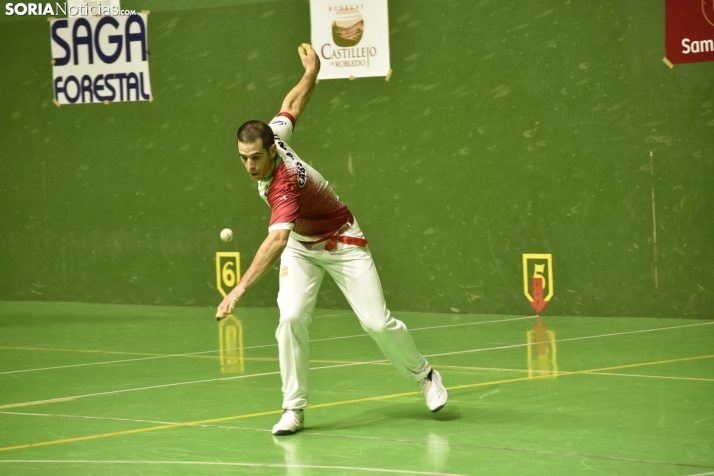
[300, 281]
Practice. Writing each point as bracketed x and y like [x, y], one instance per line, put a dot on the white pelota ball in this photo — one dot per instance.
[226, 234]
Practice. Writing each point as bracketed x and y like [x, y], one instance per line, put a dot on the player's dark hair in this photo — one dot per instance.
[251, 131]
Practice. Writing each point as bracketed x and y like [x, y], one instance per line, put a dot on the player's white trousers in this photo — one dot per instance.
[302, 269]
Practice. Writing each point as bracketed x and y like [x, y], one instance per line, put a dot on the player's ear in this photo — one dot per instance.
[273, 151]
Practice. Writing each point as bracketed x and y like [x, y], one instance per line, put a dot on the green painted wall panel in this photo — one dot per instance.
[505, 129]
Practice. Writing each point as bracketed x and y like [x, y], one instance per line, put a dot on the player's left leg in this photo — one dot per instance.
[354, 271]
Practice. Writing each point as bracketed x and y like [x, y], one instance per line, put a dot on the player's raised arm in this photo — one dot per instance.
[297, 98]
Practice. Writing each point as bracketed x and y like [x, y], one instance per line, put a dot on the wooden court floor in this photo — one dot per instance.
[89, 389]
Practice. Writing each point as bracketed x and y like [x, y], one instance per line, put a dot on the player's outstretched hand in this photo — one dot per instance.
[309, 57]
[228, 304]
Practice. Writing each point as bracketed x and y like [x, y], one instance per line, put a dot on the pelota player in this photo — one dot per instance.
[313, 232]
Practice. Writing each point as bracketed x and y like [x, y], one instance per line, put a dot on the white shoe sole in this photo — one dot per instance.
[287, 432]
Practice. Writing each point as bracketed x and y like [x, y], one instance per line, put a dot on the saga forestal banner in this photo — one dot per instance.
[689, 31]
[351, 38]
[100, 59]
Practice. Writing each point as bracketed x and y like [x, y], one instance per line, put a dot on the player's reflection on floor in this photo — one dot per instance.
[542, 353]
[290, 446]
[230, 340]
[438, 450]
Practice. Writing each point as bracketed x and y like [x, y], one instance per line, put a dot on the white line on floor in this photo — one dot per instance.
[112, 361]
[132, 420]
[666, 377]
[514, 346]
[473, 323]
[498, 369]
[219, 463]
[113, 392]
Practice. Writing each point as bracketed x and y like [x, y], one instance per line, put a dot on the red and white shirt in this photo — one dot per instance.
[301, 200]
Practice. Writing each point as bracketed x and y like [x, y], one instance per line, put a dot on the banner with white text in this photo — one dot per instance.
[351, 39]
[100, 59]
[689, 31]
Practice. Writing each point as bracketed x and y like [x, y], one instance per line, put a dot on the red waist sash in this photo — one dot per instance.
[340, 236]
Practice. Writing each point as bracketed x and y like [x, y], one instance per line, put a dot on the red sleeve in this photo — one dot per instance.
[288, 115]
[284, 199]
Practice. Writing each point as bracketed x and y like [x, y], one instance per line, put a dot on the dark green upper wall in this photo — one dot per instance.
[506, 128]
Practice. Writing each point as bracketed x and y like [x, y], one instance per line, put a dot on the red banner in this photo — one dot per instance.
[689, 31]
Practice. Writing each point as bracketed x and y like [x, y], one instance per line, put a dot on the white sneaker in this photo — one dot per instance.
[291, 421]
[434, 391]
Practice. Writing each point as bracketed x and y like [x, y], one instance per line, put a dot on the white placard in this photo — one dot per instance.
[100, 59]
[351, 38]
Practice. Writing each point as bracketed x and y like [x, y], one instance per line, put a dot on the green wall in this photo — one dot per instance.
[506, 128]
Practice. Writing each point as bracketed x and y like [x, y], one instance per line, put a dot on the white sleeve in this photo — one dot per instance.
[281, 226]
[282, 126]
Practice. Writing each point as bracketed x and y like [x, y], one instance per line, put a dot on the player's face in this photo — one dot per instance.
[257, 161]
